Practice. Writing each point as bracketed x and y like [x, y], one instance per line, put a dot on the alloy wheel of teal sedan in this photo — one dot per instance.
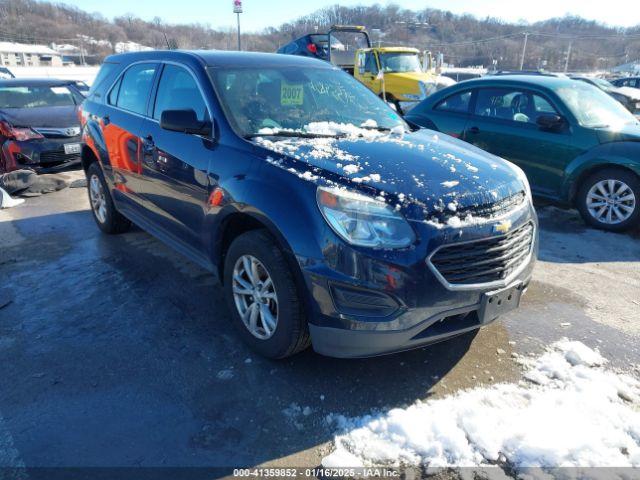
[578, 146]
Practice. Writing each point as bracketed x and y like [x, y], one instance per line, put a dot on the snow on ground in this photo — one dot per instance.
[568, 411]
[86, 74]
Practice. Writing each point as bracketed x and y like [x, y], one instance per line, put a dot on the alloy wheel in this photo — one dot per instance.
[98, 199]
[255, 297]
[611, 201]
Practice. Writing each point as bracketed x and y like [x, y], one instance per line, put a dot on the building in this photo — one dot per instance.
[124, 47]
[25, 55]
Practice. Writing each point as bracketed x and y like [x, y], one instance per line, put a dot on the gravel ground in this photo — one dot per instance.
[116, 351]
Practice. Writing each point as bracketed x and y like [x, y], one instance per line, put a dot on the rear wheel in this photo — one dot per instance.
[108, 219]
[610, 200]
[262, 296]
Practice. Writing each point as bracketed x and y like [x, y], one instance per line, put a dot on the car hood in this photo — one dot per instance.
[53, 117]
[626, 133]
[411, 76]
[420, 172]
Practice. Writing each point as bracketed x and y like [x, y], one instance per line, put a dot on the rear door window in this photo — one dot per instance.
[511, 104]
[134, 88]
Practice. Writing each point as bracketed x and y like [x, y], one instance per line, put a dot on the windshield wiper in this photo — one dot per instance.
[379, 129]
[291, 133]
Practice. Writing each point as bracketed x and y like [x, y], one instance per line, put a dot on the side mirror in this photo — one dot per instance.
[550, 122]
[184, 121]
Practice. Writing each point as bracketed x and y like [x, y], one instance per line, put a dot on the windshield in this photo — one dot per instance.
[399, 62]
[594, 108]
[32, 97]
[291, 98]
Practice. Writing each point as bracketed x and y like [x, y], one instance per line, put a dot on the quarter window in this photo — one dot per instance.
[134, 88]
[456, 103]
[178, 90]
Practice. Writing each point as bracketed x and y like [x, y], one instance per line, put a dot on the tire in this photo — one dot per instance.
[594, 200]
[108, 219]
[290, 334]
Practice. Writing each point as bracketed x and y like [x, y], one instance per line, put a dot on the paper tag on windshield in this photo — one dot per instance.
[291, 94]
[60, 90]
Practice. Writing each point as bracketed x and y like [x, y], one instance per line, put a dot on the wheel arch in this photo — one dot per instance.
[88, 157]
[236, 223]
[592, 169]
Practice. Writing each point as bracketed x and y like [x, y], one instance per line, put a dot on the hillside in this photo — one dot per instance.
[464, 39]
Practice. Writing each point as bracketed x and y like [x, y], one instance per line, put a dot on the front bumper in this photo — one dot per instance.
[373, 305]
[45, 155]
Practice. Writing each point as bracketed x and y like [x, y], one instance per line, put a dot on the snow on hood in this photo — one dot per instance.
[569, 412]
[625, 133]
[419, 171]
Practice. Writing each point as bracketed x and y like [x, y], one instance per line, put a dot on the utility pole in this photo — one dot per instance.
[82, 58]
[239, 38]
[524, 50]
[566, 62]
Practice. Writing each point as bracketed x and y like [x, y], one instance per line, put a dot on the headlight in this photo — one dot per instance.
[362, 220]
[523, 178]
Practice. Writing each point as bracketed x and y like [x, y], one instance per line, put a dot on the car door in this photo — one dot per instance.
[175, 165]
[368, 71]
[503, 122]
[121, 122]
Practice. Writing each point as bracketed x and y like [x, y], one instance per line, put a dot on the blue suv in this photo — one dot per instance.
[328, 219]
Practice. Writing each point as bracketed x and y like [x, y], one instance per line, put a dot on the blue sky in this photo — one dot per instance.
[262, 13]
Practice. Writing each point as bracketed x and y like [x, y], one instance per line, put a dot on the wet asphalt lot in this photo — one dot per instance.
[117, 351]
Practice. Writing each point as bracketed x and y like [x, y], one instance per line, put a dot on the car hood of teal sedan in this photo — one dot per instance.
[422, 169]
[625, 133]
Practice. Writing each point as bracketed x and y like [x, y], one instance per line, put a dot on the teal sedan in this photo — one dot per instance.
[578, 146]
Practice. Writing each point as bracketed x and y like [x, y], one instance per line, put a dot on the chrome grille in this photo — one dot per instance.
[484, 261]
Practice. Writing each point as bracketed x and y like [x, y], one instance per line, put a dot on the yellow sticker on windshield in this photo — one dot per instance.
[291, 94]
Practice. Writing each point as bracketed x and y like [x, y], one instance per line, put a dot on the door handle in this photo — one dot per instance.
[474, 130]
[147, 144]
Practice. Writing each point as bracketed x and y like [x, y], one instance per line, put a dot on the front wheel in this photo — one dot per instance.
[609, 200]
[262, 296]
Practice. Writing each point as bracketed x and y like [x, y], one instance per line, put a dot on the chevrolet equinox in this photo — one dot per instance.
[328, 219]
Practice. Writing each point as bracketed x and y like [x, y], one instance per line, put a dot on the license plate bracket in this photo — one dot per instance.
[499, 302]
[72, 148]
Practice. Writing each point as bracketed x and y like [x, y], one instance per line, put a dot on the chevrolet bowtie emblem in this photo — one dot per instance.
[502, 227]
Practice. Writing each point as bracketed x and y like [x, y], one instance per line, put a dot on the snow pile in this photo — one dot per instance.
[571, 412]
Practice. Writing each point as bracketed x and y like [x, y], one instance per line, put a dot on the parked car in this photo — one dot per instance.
[323, 213]
[576, 144]
[629, 97]
[39, 125]
[81, 86]
[5, 73]
[633, 82]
